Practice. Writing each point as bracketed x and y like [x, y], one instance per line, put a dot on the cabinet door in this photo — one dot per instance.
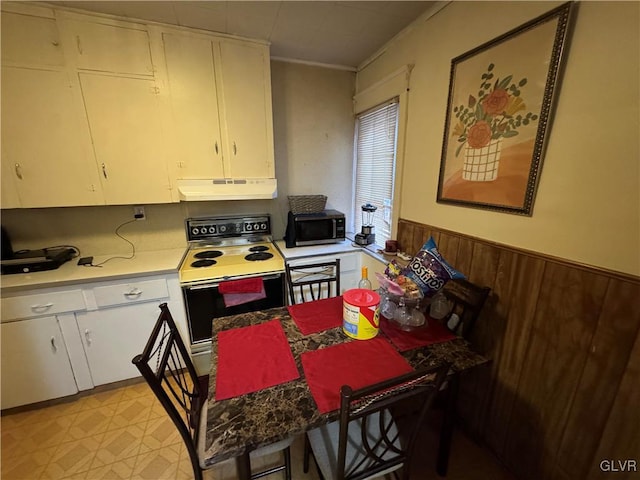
[45, 144]
[35, 364]
[9, 197]
[30, 40]
[246, 87]
[125, 122]
[109, 48]
[197, 146]
[113, 336]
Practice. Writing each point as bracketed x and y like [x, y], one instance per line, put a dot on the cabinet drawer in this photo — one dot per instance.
[134, 292]
[27, 306]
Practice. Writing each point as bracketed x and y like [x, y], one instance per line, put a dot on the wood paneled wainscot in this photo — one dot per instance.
[562, 393]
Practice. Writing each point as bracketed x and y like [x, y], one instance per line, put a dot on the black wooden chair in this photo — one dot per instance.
[313, 281]
[166, 366]
[366, 442]
[467, 300]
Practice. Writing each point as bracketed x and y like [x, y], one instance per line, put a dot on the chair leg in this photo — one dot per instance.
[446, 431]
[307, 451]
[287, 463]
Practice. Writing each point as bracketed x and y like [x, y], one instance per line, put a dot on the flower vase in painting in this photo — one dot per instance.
[485, 120]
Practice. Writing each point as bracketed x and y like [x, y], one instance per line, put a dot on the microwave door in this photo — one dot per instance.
[314, 230]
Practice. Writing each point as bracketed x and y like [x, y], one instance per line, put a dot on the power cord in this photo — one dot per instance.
[117, 232]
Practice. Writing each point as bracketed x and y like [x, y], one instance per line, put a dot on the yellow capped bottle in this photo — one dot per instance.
[364, 281]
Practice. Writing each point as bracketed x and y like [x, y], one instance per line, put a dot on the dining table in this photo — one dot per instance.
[280, 401]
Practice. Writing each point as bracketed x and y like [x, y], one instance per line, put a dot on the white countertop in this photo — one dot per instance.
[144, 263]
[345, 246]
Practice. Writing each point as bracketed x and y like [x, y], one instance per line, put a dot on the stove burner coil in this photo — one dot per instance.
[254, 257]
[203, 263]
[259, 248]
[208, 254]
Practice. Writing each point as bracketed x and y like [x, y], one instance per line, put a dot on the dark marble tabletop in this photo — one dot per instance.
[256, 419]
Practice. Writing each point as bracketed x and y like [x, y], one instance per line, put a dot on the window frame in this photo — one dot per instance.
[379, 215]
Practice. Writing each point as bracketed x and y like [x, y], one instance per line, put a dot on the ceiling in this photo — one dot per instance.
[336, 33]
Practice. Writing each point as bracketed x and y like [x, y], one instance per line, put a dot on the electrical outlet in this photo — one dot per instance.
[138, 213]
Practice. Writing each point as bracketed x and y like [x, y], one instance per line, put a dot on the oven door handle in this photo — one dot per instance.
[216, 284]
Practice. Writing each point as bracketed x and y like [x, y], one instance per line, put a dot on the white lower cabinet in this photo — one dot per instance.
[112, 337]
[118, 322]
[56, 342]
[35, 362]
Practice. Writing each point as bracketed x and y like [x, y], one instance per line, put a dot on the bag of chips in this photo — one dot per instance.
[429, 270]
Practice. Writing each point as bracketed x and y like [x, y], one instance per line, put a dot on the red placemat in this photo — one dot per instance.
[358, 363]
[253, 358]
[314, 317]
[434, 332]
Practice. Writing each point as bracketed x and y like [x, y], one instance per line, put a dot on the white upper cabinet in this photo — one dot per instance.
[220, 94]
[30, 40]
[98, 110]
[46, 154]
[47, 159]
[246, 99]
[195, 133]
[108, 48]
[126, 129]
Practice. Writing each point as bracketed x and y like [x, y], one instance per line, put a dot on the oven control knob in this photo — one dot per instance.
[263, 226]
[195, 231]
[249, 227]
[223, 228]
[212, 229]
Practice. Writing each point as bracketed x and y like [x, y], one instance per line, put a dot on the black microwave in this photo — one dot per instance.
[319, 228]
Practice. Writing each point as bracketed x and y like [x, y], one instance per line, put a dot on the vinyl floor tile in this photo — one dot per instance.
[118, 445]
[125, 434]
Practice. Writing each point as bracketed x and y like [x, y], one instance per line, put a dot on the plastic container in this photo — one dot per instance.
[360, 313]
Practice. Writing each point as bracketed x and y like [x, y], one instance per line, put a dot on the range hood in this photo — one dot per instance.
[227, 189]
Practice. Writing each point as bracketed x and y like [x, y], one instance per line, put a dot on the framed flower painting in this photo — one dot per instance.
[498, 116]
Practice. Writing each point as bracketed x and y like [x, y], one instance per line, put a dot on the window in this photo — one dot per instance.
[376, 134]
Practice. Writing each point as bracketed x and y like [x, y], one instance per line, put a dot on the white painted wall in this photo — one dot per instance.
[587, 207]
[313, 125]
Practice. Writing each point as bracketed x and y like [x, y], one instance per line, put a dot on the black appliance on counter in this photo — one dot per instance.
[318, 228]
[26, 261]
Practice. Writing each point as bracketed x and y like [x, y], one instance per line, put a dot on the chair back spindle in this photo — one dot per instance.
[313, 282]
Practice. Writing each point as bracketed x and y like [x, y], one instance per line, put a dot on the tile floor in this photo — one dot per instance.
[124, 433]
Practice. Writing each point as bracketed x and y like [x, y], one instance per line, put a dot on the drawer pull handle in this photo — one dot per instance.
[18, 171]
[235, 149]
[41, 307]
[53, 344]
[87, 336]
[133, 293]
[216, 148]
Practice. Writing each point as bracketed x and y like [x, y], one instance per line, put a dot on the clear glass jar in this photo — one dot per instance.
[402, 315]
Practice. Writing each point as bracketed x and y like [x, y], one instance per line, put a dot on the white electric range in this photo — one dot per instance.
[222, 249]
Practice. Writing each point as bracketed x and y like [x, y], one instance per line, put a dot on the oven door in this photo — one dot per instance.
[204, 303]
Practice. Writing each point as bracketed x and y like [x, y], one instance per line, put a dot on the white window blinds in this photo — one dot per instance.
[376, 133]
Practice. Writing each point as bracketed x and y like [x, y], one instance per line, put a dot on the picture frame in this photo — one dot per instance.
[498, 117]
